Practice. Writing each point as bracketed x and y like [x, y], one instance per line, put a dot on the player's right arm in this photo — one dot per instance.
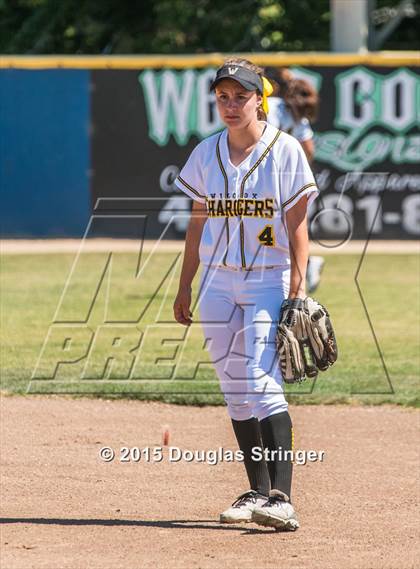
[190, 263]
[305, 135]
[309, 149]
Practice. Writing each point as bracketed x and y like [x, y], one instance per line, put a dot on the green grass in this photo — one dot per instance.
[32, 286]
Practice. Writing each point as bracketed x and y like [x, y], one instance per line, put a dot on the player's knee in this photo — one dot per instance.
[237, 409]
[266, 400]
[265, 409]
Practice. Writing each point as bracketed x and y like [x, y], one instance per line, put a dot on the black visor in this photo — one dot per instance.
[249, 80]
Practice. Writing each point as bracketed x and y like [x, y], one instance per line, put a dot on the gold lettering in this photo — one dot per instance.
[259, 208]
[210, 208]
[228, 205]
[269, 207]
[248, 212]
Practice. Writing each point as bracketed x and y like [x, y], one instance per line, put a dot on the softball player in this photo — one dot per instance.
[293, 104]
[251, 185]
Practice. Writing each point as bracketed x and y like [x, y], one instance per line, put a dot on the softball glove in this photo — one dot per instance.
[305, 339]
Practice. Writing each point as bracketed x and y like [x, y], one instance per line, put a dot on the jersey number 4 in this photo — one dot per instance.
[266, 237]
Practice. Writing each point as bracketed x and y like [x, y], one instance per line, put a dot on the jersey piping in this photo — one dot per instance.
[219, 160]
[284, 204]
[247, 175]
[193, 190]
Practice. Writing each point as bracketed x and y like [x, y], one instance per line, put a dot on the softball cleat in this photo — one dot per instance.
[242, 508]
[277, 513]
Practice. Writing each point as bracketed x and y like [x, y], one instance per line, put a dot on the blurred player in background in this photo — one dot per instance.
[293, 106]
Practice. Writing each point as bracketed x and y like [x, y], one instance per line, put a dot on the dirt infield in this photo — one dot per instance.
[62, 507]
[42, 246]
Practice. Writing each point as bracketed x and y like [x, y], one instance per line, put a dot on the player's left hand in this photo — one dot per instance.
[304, 323]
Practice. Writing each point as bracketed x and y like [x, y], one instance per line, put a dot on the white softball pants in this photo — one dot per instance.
[239, 312]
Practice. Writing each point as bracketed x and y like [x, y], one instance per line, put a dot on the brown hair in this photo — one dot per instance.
[302, 99]
[241, 62]
[279, 78]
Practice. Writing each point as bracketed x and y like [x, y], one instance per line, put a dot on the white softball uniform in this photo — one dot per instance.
[280, 116]
[244, 251]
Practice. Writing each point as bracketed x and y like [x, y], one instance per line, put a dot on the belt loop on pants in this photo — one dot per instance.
[243, 269]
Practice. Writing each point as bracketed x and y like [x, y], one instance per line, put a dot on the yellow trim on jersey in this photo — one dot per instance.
[317, 59]
[242, 243]
[193, 190]
[222, 168]
[284, 204]
[258, 162]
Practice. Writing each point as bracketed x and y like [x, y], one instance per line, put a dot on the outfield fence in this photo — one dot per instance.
[101, 136]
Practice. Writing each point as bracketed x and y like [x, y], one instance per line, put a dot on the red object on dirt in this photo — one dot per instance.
[165, 436]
